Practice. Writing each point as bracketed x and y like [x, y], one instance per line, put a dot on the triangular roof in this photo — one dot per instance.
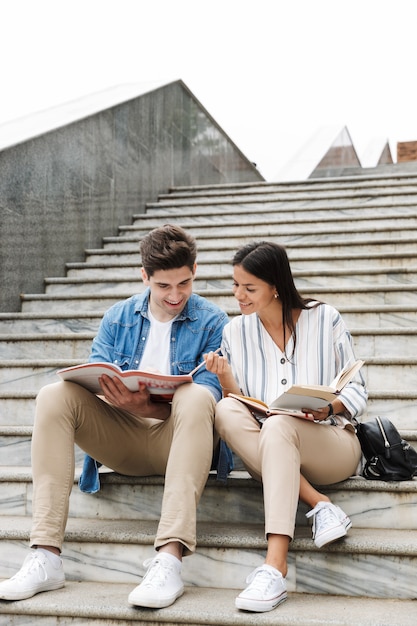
[330, 146]
[41, 122]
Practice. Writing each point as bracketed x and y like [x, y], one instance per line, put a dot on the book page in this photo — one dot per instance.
[258, 406]
[297, 401]
[160, 386]
[347, 373]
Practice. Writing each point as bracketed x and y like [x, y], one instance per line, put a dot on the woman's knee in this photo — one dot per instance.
[284, 426]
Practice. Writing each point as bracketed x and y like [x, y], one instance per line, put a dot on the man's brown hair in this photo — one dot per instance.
[167, 247]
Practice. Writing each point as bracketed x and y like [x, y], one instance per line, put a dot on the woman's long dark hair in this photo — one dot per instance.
[269, 262]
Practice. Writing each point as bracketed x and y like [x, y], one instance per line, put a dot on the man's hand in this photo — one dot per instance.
[136, 402]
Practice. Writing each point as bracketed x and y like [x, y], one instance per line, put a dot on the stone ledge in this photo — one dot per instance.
[105, 603]
[216, 535]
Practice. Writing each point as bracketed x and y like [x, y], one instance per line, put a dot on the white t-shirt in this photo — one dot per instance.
[157, 351]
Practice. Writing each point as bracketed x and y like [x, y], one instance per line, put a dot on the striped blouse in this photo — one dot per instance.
[323, 347]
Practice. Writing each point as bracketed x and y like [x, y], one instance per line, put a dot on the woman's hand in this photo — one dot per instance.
[319, 414]
[326, 411]
[219, 365]
[216, 364]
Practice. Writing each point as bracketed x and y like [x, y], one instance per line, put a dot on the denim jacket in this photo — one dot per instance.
[121, 339]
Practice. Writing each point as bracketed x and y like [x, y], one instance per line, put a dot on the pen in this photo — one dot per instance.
[201, 364]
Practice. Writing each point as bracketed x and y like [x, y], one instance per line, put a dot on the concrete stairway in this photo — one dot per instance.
[353, 243]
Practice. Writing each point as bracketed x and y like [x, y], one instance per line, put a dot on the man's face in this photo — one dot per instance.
[170, 290]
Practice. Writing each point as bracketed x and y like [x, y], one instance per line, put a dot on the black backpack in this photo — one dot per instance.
[388, 456]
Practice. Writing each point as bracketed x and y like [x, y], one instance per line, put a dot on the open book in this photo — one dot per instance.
[261, 410]
[160, 386]
[299, 397]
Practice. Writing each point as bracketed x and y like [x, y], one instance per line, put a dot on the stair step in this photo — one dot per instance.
[366, 294]
[73, 345]
[355, 316]
[297, 254]
[375, 182]
[306, 233]
[202, 213]
[370, 180]
[369, 504]
[283, 217]
[50, 322]
[98, 550]
[207, 251]
[304, 279]
[338, 197]
[105, 604]
[114, 264]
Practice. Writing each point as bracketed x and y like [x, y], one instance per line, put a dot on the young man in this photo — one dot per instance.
[166, 328]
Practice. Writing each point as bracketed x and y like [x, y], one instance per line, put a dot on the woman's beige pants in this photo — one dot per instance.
[280, 451]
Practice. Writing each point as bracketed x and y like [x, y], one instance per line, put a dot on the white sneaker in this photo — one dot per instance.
[161, 584]
[329, 523]
[267, 588]
[36, 574]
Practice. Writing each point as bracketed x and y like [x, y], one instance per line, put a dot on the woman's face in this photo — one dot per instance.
[253, 294]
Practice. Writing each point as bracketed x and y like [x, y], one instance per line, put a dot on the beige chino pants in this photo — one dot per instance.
[277, 453]
[179, 448]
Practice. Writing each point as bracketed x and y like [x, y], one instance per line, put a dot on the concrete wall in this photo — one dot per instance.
[63, 191]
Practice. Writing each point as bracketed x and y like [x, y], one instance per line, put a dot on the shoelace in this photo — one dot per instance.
[157, 572]
[261, 578]
[326, 517]
[32, 563]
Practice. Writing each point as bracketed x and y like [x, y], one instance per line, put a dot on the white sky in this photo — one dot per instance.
[271, 72]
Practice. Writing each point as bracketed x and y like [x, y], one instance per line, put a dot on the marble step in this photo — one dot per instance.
[365, 295]
[228, 210]
[366, 180]
[294, 194]
[208, 251]
[118, 265]
[17, 406]
[304, 279]
[369, 504]
[29, 323]
[359, 317]
[105, 604]
[368, 342]
[403, 175]
[306, 232]
[395, 373]
[227, 223]
[301, 202]
[106, 551]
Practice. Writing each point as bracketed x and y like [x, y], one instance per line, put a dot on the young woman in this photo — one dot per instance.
[283, 339]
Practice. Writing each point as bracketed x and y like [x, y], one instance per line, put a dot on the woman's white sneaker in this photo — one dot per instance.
[330, 523]
[37, 574]
[267, 588]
